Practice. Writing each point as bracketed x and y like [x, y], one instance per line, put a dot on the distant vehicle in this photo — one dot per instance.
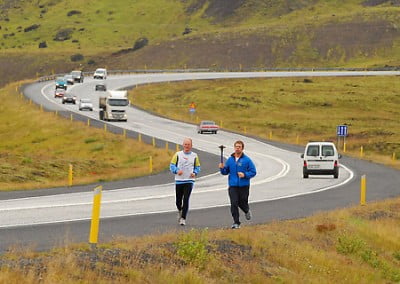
[85, 104]
[100, 87]
[69, 98]
[61, 83]
[69, 79]
[77, 76]
[100, 73]
[207, 126]
[113, 105]
[59, 93]
[320, 158]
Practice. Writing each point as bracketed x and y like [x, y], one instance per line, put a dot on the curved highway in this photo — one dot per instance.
[279, 179]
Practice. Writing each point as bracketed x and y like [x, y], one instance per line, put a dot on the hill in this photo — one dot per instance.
[57, 36]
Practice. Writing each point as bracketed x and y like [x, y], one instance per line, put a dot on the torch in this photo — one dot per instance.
[222, 152]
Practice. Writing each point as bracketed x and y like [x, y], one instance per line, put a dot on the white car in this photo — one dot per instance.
[100, 73]
[85, 104]
[207, 126]
[320, 158]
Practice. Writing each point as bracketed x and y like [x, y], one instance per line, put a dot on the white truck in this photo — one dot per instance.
[113, 105]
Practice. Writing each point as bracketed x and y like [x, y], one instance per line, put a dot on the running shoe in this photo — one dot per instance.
[182, 222]
[248, 215]
[235, 226]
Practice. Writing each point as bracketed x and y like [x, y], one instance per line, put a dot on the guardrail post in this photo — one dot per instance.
[363, 190]
[151, 164]
[95, 222]
[70, 175]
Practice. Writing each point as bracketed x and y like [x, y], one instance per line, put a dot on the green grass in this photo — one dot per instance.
[353, 245]
[36, 149]
[292, 110]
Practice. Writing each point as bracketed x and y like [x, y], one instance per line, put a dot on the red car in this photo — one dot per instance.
[59, 93]
[207, 126]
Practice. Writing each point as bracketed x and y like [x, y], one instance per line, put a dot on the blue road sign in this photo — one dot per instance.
[341, 130]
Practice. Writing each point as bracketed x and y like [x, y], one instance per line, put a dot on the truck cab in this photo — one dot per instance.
[113, 106]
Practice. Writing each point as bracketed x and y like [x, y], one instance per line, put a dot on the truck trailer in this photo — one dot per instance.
[113, 105]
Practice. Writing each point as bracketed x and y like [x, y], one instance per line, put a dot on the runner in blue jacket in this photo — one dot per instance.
[240, 169]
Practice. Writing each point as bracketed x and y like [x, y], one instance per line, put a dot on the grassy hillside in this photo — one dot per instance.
[36, 149]
[294, 110]
[236, 32]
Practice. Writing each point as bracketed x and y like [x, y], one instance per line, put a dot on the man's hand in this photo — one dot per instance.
[192, 175]
[180, 172]
[221, 165]
[241, 175]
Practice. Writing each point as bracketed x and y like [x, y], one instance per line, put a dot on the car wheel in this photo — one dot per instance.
[305, 175]
[336, 173]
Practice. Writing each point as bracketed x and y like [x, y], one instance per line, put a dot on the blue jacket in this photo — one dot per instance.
[244, 165]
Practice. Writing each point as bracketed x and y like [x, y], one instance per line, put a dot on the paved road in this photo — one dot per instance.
[130, 209]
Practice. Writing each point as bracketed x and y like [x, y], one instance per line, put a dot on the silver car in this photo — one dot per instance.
[85, 104]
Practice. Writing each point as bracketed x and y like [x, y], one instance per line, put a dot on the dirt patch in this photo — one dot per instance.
[372, 3]
[219, 10]
[342, 41]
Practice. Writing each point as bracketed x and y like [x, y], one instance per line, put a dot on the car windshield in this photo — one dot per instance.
[118, 102]
[60, 79]
[76, 73]
[85, 101]
[100, 71]
[208, 123]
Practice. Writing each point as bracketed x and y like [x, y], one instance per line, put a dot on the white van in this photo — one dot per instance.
[100, 73]
[320, 158]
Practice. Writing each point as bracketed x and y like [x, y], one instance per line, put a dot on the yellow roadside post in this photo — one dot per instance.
[177, 147]
[166, 145]
[105, 127]
[94, 224]
[124, 133]
[140, 137]
[394, 157]
[245, 130]
[297, 139]
[344, 147]
[151, 164]
[361, 151]
[70, 175]
[71, 117]
[88, 122]
[270, 135]
[363, 190]
[153, 141]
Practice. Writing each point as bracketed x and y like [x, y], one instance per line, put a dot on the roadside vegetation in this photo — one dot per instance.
[291, 110]
[355, 245]
[37, 147]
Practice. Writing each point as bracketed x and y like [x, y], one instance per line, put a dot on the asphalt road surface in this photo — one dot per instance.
[42, 219]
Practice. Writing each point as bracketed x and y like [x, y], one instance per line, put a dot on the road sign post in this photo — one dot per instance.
[342, 131]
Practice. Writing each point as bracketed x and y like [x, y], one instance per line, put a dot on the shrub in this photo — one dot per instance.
[42, 44]
[63, 34]
[31, 28]
[192, 247]
[140, 43]
[73, 12]
[77, 57]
